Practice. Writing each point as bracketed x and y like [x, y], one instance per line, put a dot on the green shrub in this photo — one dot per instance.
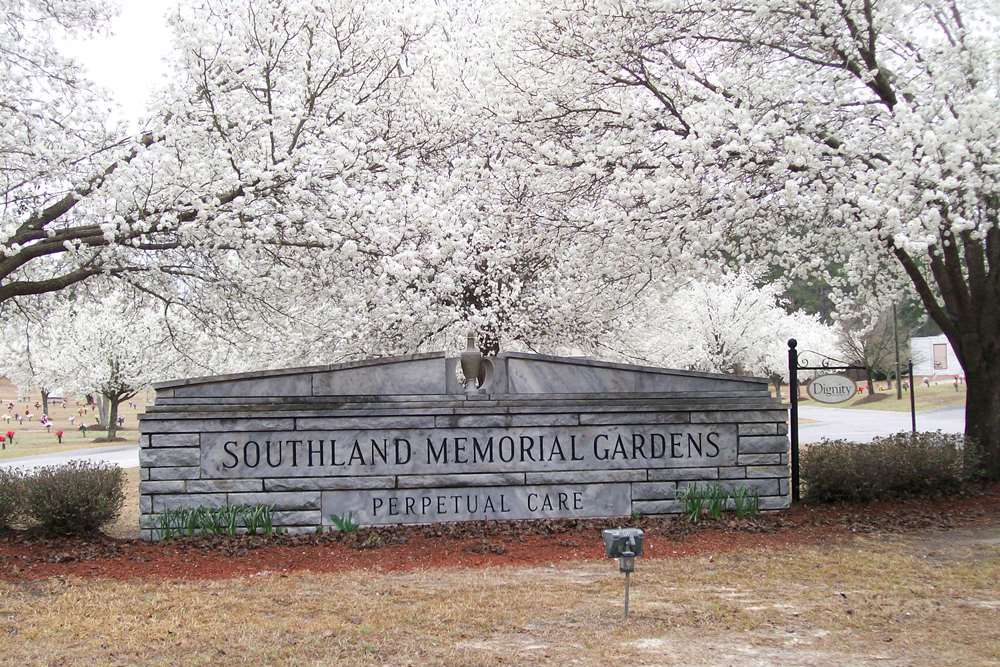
[77, 497]
[10, 496]
[898, 465]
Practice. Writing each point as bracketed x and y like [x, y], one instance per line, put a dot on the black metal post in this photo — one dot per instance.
[793, 398]
[913, 400]
[895, 342]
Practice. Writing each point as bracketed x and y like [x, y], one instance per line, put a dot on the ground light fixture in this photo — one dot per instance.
[625, 544]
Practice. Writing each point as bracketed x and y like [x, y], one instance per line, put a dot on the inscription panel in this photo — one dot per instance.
[397, 506]
[465, 450]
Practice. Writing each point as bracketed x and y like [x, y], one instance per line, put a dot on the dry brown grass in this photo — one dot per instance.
[939, 395]
[127, 524]
[917, 600]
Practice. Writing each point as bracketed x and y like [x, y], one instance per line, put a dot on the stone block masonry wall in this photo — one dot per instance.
[452, 459]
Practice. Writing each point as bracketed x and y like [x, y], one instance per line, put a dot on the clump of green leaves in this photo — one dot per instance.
[693, 498]
[716, 498]
[712, 500]
[258, 518]
[344, 523]
[224, 520]
[745, 502]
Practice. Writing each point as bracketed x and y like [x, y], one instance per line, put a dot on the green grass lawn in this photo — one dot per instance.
[31, 438]
[934, 397]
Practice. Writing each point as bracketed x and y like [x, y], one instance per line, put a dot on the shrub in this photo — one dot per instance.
[77, 497]
[898, 465]
[10, 496]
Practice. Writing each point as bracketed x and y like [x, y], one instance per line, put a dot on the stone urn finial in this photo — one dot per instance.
[472, 362]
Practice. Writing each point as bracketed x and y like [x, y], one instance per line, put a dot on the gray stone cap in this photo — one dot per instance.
[597, 363]
[434, 376]
[299, 370]
[457, 405]
[383, 361]
[472, 399]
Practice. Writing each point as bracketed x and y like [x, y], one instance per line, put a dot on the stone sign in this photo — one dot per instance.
[399, 440]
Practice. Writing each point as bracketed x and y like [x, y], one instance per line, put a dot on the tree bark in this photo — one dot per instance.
[968, 313]
[45, 401]
[102, 408]
[871, 382]
[776, 381]
[113, 402]
[982, 414]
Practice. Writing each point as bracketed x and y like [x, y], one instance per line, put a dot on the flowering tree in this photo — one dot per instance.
[726, 325]
[28, 356]
[284, 126]
[113, 346]
[526, 168]
[322, 167]
[404, 247]
[856, 132]
[55, 149]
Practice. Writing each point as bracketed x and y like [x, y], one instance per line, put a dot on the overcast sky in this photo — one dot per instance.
[129, 62]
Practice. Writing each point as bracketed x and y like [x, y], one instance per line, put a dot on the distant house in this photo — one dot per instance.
[933, 356]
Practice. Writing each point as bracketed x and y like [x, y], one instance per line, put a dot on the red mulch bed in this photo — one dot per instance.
[24, 555]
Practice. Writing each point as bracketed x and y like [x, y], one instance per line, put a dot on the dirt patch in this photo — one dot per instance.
[858, 601]
[970, 543]
[527, 543]
[127, 525]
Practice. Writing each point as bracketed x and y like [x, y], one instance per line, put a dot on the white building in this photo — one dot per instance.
[933, 356]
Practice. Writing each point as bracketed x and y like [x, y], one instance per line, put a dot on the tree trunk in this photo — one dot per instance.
[102, 408]
[776, 381]
[966, 272]
[982, 414]
[871, 382]
[113, 402]
[45, 401]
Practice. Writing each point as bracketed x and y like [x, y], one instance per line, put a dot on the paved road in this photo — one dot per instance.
[127, 456]
[863, 425]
